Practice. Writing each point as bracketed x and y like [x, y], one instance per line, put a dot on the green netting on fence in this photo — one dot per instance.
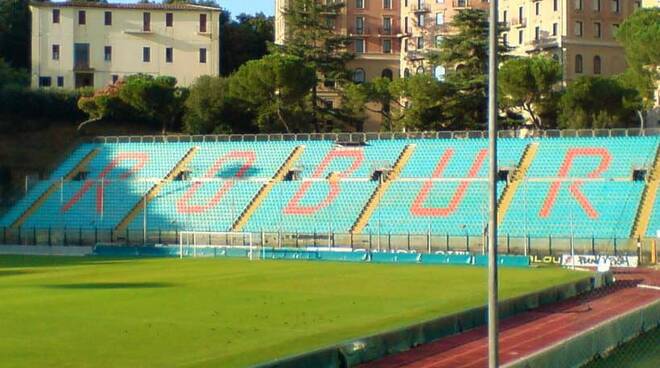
[584, 347]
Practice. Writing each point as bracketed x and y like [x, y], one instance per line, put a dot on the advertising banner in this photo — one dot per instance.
[591, 260]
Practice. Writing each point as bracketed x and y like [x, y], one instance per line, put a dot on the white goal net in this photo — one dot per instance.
[212, 244]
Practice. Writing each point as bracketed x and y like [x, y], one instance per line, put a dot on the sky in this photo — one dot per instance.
[236, 7]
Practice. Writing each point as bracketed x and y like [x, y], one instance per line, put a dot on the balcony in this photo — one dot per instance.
[389, 32]
[364, 31]
[461, 4]
[543, 43]
[415, 55]
[420, 8]
[138, 31]
[518, 22]
[82, 66]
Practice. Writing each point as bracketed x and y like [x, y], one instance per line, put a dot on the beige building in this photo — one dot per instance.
[424, 23]
[579, 33]
[92, 44]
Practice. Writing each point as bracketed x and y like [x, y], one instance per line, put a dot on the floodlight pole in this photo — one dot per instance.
[493, 348]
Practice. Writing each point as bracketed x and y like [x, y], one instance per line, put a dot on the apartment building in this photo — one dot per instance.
[424, 24]
[77, 44]
[578, 33]
[374, 28]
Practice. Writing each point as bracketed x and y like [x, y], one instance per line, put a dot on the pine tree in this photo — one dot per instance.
[465, 52]
[311, 36]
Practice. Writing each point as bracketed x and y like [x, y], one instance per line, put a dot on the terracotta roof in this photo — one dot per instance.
[144, 6]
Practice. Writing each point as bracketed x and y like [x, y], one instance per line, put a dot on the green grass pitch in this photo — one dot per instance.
[95, 312]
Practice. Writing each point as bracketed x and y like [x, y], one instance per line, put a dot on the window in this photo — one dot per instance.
[387, 25]
[60, 81]
[359, 4]
[406, 73]
[537, 8]
[420, 43]
[578, 28]
[521, 14]
[107, 18]
[420, 19]
[146, 22]
[555, 27]
[596, 5]
[202, 23]
[504, 15]
[359, 76]
[387, 73]
[616, 6]
[56, 52]
[521, 38]
[420, 70]
[537, 32]
[597, 30]
[578, 63]
[615, 28]
[405, 25]
[439, 73]
[597, 64]
[146, 54]
[387, 46]
[505, 39]
[107, 53]
[82, 17]
[169, 19]
[359, 46]
[56, 15]
[169, 55]
[438, 41]
[359, 25]
[387, 4]
[578, 4]
[45, 82]
[555, 5]
[202, 56]
[115, 78]
[638, 4]
[439, 18]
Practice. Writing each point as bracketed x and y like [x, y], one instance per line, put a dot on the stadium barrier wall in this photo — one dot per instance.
[362, 350]
[537, 248]
[319, 254]
[44, 250]
[582, 348]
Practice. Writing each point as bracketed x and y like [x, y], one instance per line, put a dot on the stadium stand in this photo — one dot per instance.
[583, 187]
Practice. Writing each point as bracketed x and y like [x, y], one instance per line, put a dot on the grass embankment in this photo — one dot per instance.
[93, 312]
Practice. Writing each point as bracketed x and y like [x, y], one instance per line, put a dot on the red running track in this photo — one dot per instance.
[532, 331]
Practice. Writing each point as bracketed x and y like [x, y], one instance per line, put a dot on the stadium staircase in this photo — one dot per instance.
[516, 178]
[80, 166]
[267, 188]
[648, 200]
[155, 189]
[377, 195]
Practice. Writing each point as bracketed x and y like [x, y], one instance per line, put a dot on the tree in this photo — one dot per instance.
[311, 36]
[376, 96]
[274, 89]
[15, 32]
[428, 104]
[637, 34]
[466, 52]
[528, 84]
[244, 39]
[598, 102]
[210, 109]
[156, 98]
[10, 76]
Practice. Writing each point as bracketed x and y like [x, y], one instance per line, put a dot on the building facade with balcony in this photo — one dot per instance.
[424, 24]
[78, 44]
[578, 33]
[375, 32]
